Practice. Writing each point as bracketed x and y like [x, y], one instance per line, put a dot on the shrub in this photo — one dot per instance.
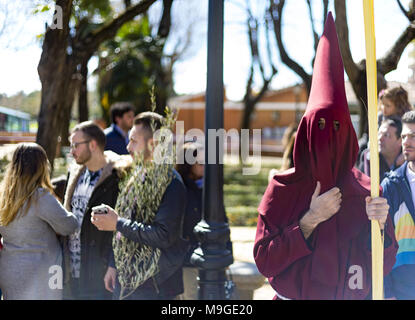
[242, 194]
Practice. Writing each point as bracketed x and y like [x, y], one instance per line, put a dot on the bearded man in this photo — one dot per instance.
[93, 181]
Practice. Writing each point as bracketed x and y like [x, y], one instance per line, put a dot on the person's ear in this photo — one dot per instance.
[150, 144]
[93, 145]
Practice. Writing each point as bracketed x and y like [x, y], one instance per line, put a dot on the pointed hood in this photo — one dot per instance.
[325, 150]
[326, 143]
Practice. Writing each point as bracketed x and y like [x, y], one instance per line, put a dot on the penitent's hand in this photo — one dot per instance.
[377, 209]
[322, 208]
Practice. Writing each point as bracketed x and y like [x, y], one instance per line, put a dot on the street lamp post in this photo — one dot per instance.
[212, 257]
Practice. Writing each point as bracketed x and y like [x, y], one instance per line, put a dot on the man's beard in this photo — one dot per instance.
[409, 157]
[84, 157]
[144, 153]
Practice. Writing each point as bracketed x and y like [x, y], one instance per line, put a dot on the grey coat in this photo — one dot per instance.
[31, 259]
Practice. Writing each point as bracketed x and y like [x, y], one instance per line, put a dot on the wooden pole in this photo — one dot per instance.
[377, 242]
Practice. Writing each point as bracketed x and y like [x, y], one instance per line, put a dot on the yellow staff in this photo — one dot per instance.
[377, 242]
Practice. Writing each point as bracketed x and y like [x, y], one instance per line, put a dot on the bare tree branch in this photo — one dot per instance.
[406, 13]
[253, 43]
[250, 99]
[275, 10]
[253, 32]
[14, 19]
[268, 46]
[165, 22]
[343, 32]
[127, 4]
[390, 61]
[315, 35]
[4, 11]
[183, 27]
[91, 42]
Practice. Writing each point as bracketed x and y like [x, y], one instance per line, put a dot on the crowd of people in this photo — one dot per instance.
[57, 244]
[116, 228]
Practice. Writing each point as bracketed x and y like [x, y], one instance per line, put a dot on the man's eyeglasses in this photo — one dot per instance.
[76, 144]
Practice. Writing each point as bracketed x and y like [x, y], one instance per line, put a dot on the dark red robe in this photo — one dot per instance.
[323, 266]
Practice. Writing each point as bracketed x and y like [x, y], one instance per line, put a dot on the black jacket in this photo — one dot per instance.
[165, 233]
[96, 246]
[193, 215]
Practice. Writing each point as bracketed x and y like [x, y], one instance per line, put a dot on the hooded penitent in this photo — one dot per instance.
[325, 150]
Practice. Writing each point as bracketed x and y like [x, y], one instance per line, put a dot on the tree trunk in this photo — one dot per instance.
[67, 110]
[249, 108]
[55, 70]
[275, 10]
[83, 94]
[61, 53]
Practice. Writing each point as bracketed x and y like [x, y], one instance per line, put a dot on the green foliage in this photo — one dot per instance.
[243, 193]
[89, 13]
[242, 216]
[92, 9]
[60, 167]
[134, 30]
[29, 103]
[41, 8]
[130, 64]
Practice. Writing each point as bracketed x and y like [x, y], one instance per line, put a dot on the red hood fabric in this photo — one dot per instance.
[325, 150]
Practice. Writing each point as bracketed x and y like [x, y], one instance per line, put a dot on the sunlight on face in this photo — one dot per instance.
[139, 137]
[80, 147]
[388, 107]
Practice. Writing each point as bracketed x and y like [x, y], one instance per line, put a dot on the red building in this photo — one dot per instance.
[273, 114]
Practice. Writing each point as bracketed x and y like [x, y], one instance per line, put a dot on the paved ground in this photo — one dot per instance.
[243, 244]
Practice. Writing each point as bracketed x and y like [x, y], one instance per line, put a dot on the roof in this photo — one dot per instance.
[280, 99]
[15, 113]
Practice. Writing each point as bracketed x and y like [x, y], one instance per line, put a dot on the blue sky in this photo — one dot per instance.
[18, 61]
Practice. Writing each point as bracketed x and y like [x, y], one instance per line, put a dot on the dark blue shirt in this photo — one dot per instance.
[116, 141]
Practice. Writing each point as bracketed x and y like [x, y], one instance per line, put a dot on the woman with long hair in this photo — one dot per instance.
[30, 219]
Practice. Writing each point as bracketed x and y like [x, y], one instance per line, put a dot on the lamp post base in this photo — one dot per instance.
[212, 258]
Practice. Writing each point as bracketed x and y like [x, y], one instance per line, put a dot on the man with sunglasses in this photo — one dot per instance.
[93, 181]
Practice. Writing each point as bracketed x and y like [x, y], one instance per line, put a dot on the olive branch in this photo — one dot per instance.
[142, 189]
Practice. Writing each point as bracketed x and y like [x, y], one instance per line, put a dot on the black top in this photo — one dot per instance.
[165, 233]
